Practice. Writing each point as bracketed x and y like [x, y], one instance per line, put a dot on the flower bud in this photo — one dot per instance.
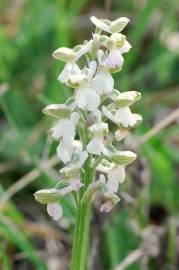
[122, 157]
[46, 196]
[65, 54]
[119, 24]
[57, 110]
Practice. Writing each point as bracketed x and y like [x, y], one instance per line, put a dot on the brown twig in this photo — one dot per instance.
[160, 126]
[26, 180]
[107, 4]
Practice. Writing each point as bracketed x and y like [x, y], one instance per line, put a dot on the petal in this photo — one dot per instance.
[115, 59]
[125, 48]
[109, 115]
[103, 26]
[75, 118]
[70, 68]
[119, 24]
[106, 207]
[65, 129]
[115, 176]
[85, 48]
[55, 211]
[65, 73]
[100, 57]
[83, 158]
[92, 69]
[125, 117]
[87, 99]
[103, 82]
[95, 146]
[65, 151]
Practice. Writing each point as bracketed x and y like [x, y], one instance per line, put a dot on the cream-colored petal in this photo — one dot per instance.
[55, 211]
[115, 176]
[101, 25]
[65, 151]
[103, 82]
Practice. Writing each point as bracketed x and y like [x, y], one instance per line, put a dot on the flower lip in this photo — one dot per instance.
[115, 59]
[55, 211]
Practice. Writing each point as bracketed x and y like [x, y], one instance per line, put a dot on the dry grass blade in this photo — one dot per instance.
[131, 258]
[26, 180]
[160, 126]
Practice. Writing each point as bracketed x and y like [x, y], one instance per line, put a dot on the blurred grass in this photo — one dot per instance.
[30, 31]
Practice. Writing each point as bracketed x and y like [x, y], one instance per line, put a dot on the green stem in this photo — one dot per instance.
[81, 235]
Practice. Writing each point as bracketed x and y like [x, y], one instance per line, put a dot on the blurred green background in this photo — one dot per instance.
[144, 228]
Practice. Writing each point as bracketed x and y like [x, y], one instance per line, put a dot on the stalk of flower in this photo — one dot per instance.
[86, 128]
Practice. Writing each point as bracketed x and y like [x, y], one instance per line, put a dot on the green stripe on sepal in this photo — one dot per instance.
[125, 99]
[57, 110]
[122, 157]
[46, 196]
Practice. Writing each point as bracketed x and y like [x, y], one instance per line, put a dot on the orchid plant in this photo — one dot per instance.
[88, 128]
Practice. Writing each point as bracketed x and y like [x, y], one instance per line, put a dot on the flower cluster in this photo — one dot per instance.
[91, 122]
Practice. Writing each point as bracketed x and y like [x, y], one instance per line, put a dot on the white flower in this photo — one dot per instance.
[103, 82]
[122, 116]
[55, 211]
[96, 146]
[111, 200]
[115, 176]
[110, 27]
[125, 116]
[87, 99]
[70, 68]
[65, 151]
[70, 56]
[66, 128]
